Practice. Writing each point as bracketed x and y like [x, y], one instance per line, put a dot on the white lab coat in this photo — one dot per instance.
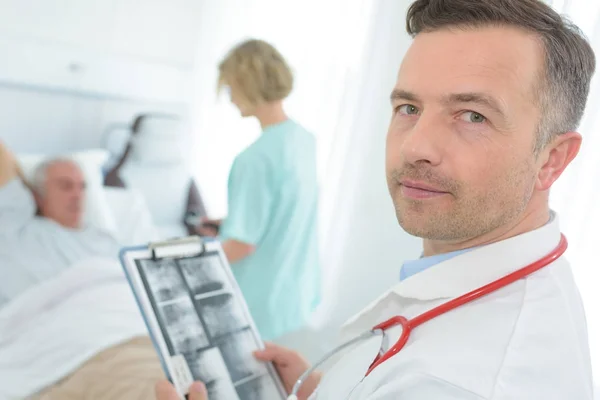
[527, 341]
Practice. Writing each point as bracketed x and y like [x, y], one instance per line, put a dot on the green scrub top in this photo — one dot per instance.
[272, 196]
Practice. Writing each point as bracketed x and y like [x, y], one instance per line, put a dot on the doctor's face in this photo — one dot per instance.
[460, 160]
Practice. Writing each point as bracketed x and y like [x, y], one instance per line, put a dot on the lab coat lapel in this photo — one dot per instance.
[468, 271]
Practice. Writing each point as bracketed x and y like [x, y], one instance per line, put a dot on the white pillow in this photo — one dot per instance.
[129, 207]
[146, 150]
[159, 141]
[165, 189]
[97, 211]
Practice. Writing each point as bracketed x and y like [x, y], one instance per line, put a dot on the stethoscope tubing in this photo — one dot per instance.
[328, 356]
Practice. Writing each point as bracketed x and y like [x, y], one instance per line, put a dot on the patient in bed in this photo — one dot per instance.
[40, 247]
[42, 238]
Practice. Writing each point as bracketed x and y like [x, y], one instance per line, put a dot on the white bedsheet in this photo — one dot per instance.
[50, 330]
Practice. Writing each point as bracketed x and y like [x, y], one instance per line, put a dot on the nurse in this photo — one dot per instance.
[484, 113]
[270, 233]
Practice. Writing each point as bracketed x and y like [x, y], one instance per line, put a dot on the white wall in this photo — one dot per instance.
[72, 67]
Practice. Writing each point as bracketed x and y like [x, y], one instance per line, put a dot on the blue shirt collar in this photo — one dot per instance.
[410, 268]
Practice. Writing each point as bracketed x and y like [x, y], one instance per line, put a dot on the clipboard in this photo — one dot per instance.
[198, 319]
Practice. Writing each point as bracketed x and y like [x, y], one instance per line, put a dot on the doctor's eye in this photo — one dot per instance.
[473, 117]
[407, 109]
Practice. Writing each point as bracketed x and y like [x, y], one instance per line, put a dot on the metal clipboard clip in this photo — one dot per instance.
[180, 247]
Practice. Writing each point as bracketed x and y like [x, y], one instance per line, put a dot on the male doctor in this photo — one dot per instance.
[485, 108]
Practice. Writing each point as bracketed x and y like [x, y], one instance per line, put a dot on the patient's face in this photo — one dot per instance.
[464, 125]
[64, 194]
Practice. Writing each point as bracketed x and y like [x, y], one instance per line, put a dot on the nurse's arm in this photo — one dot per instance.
[236, 251]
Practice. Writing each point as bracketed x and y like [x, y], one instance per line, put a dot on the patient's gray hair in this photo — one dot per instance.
[38, 181]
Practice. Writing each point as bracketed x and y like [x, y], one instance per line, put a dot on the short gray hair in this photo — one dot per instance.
[40, 174]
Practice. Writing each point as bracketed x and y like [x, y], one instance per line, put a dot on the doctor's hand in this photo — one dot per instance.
[290, 365]
[165, 391]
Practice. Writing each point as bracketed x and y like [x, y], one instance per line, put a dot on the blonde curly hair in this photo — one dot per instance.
[258, 71]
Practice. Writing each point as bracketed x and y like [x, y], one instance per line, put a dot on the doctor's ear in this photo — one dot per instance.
[557, 155]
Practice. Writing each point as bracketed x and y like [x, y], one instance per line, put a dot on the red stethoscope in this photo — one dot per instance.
[408, 325]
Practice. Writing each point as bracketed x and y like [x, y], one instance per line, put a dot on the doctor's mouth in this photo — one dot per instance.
[416, 190]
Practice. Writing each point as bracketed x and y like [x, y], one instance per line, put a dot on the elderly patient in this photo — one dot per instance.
[38, 247]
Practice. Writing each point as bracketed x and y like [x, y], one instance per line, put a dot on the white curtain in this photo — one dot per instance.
[576, 196]
[325, 44]
[322, 41]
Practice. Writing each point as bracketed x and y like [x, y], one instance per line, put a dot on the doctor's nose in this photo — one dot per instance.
[424, 142]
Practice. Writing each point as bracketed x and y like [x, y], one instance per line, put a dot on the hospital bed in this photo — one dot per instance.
[154, 172]
[105, 205]
[152, 157]
[89, 303]
[128, 206]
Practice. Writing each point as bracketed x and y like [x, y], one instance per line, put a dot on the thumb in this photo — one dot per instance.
[165, 391]
[198, 392]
